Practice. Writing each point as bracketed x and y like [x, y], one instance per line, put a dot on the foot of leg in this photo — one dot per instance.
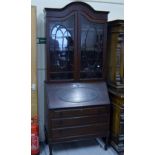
[46, 139]
[106, 143]
[50, 148]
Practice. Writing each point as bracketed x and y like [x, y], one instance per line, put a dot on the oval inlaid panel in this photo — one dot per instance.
[75, 95]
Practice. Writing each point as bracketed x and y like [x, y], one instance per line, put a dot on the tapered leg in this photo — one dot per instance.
[106, 142]
[46, 138]
[47, 142]
[50, 148]
[51, 152]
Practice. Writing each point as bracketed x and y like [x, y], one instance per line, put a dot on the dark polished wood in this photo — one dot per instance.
[117, 120]
[80, 120]
[116, 83]
[62, 95]
[116, 53]
[78, 112]
[66, 121]
[77, 104]
[95, 23]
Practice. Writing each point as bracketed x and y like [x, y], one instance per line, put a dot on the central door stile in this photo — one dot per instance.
[76, 47]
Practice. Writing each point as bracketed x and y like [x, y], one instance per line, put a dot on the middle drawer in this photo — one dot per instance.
[81, 120]
[76, 112]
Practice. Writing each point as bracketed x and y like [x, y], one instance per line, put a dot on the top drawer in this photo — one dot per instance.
[78, 112]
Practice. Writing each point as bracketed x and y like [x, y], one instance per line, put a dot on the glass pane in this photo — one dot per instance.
[91, 49]
[62, 48]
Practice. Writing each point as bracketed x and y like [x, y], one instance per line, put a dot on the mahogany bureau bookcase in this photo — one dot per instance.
[77, 104]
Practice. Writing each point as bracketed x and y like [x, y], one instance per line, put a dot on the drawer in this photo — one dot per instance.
[78, 112]
[75, 138]
[76, 121]
[60, 133]
[117, 99]
[122, 117]
[122, 110]
[121, 128]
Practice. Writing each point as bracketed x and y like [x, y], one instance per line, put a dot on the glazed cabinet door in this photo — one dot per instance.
[76, 43]
[60, 47]
[92, 47]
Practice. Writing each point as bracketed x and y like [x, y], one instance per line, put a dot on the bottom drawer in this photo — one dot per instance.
[75, 138]
[99, 129]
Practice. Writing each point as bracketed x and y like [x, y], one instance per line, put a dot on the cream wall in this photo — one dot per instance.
[116, 9]
[34, 92]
